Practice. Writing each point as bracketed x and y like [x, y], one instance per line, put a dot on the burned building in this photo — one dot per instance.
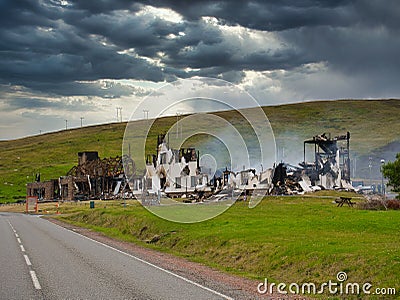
[331, 162]
[91, 178]
[327, 166]
[48, 190]
[177, 172]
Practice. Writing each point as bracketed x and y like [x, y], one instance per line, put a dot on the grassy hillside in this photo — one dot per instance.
[373, 125]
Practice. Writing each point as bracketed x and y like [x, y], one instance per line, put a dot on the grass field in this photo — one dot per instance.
[285, 239]
[373, 124]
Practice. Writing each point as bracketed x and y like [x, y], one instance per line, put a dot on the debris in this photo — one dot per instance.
[92, 178]
[178, 173]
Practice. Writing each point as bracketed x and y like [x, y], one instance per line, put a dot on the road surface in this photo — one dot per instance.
[41, 260]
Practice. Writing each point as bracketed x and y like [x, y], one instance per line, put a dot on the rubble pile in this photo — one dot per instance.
[178, 173]
[329, 170]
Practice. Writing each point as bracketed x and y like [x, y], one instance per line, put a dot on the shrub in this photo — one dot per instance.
[393, 204]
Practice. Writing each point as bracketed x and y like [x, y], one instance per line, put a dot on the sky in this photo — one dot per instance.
[79, 60]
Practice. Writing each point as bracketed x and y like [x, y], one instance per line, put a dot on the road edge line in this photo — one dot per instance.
[150, 264]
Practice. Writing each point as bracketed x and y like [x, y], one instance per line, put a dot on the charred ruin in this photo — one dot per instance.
[328, 169]
[92, 178]
[178, 173]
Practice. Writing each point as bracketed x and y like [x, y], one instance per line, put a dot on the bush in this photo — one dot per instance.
[393, 204]
[380, 204]
[372, 205]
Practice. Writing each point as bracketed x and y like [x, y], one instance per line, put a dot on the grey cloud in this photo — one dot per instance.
[49, 47]
[25, 13]
[368, 56]
[282, 15]
[232, 76]
[265, 15]
[36, 103]
[52, 51]
[106, 90]
[101, 6]
[126, 30]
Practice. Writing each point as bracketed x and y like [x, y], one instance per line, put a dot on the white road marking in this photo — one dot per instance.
[12, 227]
[152, 265]
[28, 262]
[35, 280]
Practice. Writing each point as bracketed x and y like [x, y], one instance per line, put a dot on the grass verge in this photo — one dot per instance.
[285, 239]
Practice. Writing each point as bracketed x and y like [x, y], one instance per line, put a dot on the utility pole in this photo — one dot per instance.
[66, 124]
[178, 115]
[382, 186]
[177, 130]
[355, 166]
[370, 170]
[119, 114]
[81, 121]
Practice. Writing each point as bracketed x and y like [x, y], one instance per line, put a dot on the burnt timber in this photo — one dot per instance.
[92, 178]
[177, 173]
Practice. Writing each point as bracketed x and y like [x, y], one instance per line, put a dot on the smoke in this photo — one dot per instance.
[229, 153]
[368, 166]
[289, 148]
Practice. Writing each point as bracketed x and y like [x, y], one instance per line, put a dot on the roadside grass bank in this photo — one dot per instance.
[285, 239]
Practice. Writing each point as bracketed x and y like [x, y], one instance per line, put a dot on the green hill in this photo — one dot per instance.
[374, 127]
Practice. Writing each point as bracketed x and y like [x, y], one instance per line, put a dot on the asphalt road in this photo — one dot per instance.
[40, 260]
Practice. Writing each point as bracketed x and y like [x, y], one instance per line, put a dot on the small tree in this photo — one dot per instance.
[391, 171]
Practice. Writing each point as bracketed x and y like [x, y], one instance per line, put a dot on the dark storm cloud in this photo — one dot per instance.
[51, 46]
[125, 30]
[45, 49]
[274, 15]
[60, 54]
[24, 13]
[105, 6]
[352, 37]
[265, 15]
[38, 104]
[100, 89]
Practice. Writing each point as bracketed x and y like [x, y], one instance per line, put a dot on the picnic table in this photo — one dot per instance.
[344, 200]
